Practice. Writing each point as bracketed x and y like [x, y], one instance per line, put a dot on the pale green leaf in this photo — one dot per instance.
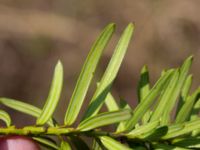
[24, 108]
[150, 98]
[112, 106]
[53, 97]
[175, 94]
[143, 129]
[47, 142]
[5, 117]
[181, 129]
[111, 103]
[97, 145]
[87, 74]
[65, 146]
[143, 90]
[110, 73]
[184, 92]
[147, 116]
[186, 109]
[165, 96]
[186, 87]
[103, 119]
[195, 110]
[194, 115]
[123, 105]
[112, 144]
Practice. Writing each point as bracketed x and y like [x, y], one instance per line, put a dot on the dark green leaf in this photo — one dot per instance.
[195, 110]
[97, 145]
[143, 85]
[155, 134]
[193, 143]
[122, 125]
[79, 143]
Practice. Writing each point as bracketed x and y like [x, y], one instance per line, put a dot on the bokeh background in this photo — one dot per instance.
[35, 34]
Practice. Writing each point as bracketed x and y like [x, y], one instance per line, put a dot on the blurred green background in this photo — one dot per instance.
[35, 34]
